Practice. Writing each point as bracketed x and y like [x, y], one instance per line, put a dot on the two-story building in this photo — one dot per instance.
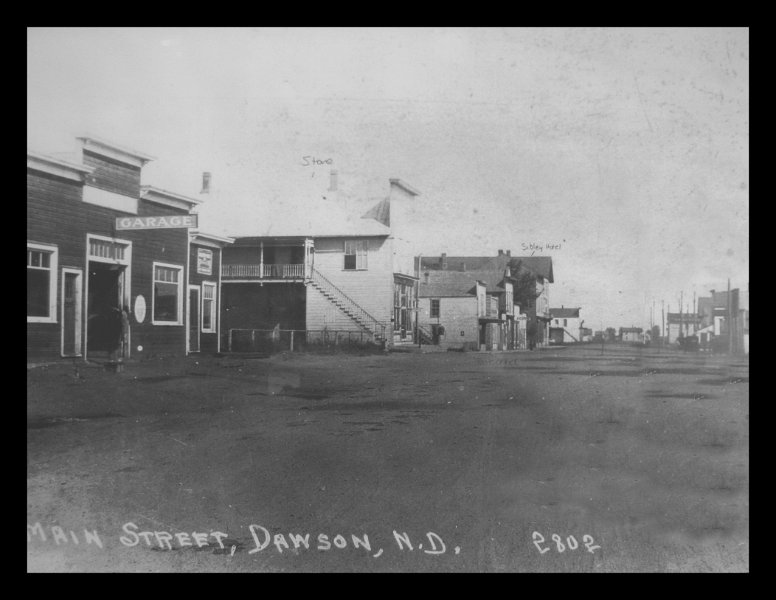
[503, 275]
[565, 325]
[537, 272]
[107, 258]
[724, 321]
[331, 272]
[453, 309]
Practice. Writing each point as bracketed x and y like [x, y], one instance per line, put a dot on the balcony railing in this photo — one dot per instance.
[267, 271]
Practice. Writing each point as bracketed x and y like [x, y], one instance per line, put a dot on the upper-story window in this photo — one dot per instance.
[355, 255]
[434, 308]
[41, 283]
[565, 322]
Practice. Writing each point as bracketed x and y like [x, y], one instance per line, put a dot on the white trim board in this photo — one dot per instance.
[53, 269]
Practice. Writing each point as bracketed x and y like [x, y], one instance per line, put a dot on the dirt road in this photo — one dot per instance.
[559, 460]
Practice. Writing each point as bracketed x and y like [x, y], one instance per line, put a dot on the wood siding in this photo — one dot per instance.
[208, 341]
[455, 315]
[372, 288]
[56, 214]
[112, 175]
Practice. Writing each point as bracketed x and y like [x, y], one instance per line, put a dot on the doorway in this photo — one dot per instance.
[104, 304]
[194, 312]
[72, 311]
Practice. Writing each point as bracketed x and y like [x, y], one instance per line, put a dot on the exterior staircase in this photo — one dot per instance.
[571, 335]
[348, 306]
[425, 336]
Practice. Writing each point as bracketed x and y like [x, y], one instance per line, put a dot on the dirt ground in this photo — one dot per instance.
[557, 460]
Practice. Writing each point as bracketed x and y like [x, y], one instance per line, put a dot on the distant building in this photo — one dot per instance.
[501, 325]
[723, 319]
[533, 315]
[679, 325]
[450, 306]
[565, 325]
[632, 334]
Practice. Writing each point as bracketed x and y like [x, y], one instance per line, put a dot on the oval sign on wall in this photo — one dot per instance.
[140, 308]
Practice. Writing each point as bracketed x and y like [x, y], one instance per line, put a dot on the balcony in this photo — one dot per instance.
[267, 271]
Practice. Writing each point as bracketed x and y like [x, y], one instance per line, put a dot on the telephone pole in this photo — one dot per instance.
[662, 326]
[730, 320]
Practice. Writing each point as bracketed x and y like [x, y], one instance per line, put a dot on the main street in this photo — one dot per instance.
[569, 459]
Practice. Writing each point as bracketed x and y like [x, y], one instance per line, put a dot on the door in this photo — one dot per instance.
[106, 286]
[194, 318]
[71, 312]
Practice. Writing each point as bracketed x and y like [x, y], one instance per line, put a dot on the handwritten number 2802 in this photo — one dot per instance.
[571, 543]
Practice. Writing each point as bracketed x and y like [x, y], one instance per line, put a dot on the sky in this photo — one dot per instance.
[627, 150]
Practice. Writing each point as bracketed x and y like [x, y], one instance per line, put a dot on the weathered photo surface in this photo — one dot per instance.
[388, 300]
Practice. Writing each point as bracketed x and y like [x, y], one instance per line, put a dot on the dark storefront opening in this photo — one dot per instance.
[262, 307]
[104, 307]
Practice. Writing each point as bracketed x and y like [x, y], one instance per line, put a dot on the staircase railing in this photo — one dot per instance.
[425, 333]
[363, 318]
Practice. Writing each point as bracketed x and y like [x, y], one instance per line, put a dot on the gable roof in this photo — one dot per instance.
[447, 284]
[540, 265]
[564, 313]
[493, 280]
[380, 212]
[471, 263]
[459, 283]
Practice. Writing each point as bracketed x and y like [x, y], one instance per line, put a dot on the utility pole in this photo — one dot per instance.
[730, 320]
[663, 326]
[681, 314]
[652, 317]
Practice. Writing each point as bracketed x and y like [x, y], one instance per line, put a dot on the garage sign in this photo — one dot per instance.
[164, 222]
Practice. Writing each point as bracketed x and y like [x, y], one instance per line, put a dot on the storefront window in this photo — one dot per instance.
[41, 283]
[167, 294]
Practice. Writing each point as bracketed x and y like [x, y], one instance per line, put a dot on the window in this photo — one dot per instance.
[167, 299]
[209, 307]
[41, 283]
[99, 248]
[355, 255]
[435, 308]
[565, 322]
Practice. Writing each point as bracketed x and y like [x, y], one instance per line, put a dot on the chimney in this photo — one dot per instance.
[509, 253]
[501, 253]
[333, 180]
[205, 183]
[444, 261]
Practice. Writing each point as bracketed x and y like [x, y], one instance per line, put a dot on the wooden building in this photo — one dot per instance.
[107, 258]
